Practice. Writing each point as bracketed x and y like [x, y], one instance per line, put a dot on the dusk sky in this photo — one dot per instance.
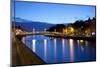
[53, 13]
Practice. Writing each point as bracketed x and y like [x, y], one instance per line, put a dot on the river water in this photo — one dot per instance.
[59, 50]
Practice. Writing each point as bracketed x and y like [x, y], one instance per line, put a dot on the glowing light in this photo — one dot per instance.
[63, 48]
[65, 30]
[78, 42]
[81, 41]
[71, 50]
[45, 49]
[34, 44]
[23, 40]
[55, 48]
[71, 29]
[93, 33]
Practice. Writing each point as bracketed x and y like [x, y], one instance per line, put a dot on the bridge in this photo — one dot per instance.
[24, 33]
[20, 34]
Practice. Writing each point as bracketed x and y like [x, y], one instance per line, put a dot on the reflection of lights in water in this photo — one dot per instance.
[71, 50]
[82, 48]
[81, 41]
[78, 43]
[23, 40]
[55, 47]
[86, 42]
[34, 44]
[45, 49]
[63, 48]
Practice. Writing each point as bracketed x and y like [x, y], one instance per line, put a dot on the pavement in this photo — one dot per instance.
[22, 55]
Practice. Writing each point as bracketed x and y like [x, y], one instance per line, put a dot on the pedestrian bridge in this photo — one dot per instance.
[39, 33]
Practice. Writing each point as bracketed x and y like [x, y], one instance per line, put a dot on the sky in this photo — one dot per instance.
[53, 13]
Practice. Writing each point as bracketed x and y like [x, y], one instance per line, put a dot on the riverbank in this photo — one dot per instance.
[22, 55]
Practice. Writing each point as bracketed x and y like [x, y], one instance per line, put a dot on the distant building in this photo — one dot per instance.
[91, 29]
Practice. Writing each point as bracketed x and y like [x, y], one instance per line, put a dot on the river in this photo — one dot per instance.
[59, 50]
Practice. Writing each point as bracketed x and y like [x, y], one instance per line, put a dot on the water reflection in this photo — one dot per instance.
[61, 50]
[71, 50]
[45, 49]
[55, 48]
[81, 41]
[78, 42]
[86, 42]
[23, 40]
[34, 44]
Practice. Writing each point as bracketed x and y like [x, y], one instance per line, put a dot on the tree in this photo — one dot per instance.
[57, 28]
